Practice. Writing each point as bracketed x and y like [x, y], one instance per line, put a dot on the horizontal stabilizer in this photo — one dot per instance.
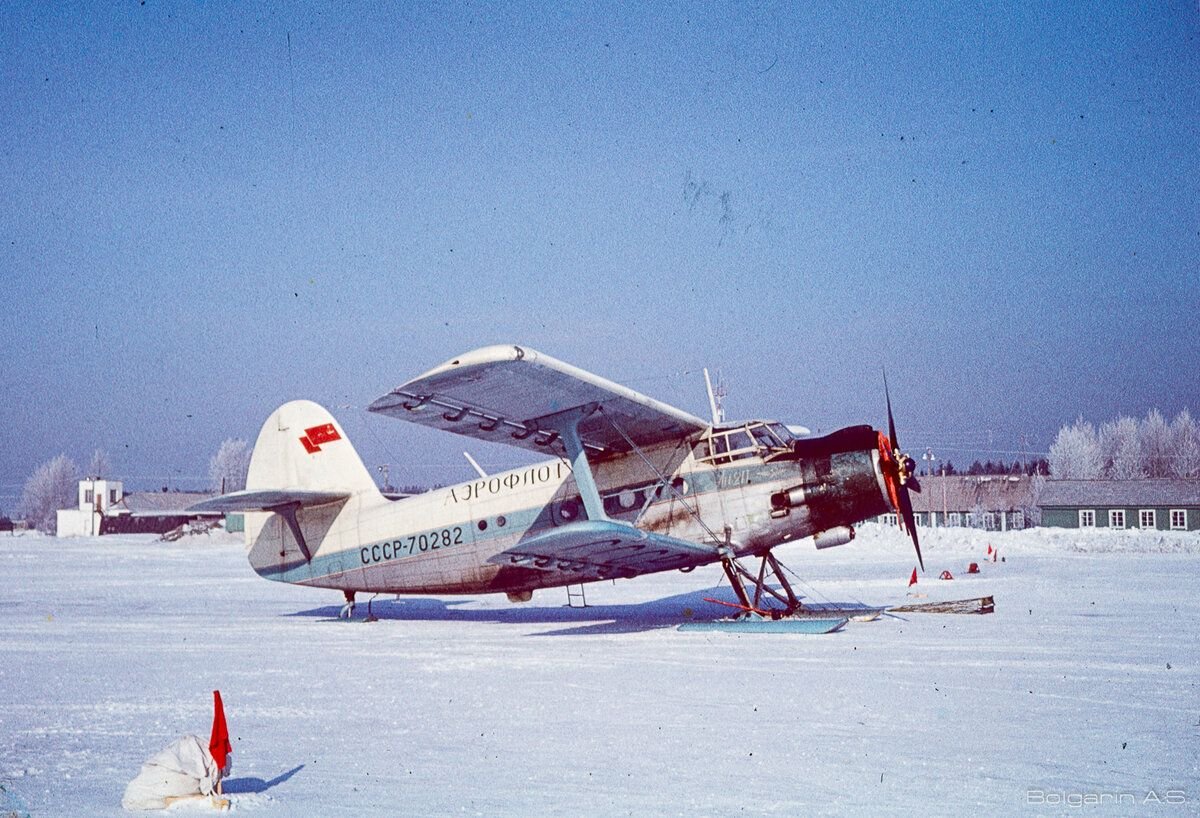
[268, 500]
[606, 549]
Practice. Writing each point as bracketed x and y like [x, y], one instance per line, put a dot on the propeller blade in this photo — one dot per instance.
[891, 420]
[909, 480]
[910, 523]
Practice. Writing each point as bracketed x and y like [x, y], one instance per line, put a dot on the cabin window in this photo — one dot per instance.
[112, 495]
[740, 445]
[1147, 518]
[1087, 518]
[1116, 518]
[1179, 519]
[88, 496]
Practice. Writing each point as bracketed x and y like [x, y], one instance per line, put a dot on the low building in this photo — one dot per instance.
[1164, 505]
[105, 508]
[990, 502]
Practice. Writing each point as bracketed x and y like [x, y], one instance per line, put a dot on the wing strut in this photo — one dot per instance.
[288, 512]
[566, 425]
[722, 549]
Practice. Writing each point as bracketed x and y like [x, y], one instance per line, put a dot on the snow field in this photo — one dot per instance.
[1084, 681]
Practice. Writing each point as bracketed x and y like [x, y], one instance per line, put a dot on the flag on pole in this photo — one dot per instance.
[913, 579]
[218, 745]
[989, 549]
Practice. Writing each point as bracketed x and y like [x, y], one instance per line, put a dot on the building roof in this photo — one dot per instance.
[159, 503]
[966, 493]
[1118, 493]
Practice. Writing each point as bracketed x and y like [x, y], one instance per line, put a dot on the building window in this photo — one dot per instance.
[1146, 518]
[1087, 518]
[88, 496]
[955, 518]
[890, 519]
[112, 495]
[1116, 518]
[1179, 519]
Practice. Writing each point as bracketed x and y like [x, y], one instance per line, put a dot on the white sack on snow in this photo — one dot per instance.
[186, 768]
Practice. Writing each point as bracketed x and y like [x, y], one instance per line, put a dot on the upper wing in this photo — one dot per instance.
[607, 549]
[505, 394]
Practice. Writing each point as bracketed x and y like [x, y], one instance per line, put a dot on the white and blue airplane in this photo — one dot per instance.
[630, 486]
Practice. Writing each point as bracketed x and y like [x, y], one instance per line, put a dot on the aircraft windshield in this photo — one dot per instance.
[753, 439]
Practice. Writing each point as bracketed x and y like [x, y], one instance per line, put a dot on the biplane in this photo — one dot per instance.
[627, 486]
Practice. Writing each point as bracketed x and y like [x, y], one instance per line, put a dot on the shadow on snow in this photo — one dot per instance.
[234, 786]
[655, 614]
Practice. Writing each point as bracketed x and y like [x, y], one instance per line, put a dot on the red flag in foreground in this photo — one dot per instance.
[989, 549]
[913, 579]
[218, 745]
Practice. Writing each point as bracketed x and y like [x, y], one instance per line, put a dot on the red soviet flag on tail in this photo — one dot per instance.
[218, 745]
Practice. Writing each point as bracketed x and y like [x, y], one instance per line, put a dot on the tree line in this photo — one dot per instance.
[55, 484]
[1128, 449]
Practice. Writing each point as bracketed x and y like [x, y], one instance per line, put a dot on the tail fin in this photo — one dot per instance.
[310, 482]
[301, 447]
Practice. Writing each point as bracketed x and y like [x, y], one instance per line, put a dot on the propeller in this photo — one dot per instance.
[898, 474]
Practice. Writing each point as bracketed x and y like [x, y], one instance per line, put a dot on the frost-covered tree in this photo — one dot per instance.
[1121, 449]
[1185, 447]
[53, 486]
[1155, 437]
[1075, 453]
[99, 467]
[1033, 511]
[228, 467]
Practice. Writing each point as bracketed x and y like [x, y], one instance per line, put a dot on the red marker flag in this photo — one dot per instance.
[913, 579]
[218, 745]
[989, 549]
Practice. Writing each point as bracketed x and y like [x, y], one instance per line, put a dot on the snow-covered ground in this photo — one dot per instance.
[1082, 686]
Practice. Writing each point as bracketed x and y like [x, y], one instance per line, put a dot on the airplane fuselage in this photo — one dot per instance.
[453, 540]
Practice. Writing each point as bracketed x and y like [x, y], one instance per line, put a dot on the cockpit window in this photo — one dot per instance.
[755, 439]
[765, 437]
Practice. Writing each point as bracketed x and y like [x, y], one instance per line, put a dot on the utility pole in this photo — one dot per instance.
[930, 458]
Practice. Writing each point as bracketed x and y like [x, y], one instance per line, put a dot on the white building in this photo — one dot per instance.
[97, 499]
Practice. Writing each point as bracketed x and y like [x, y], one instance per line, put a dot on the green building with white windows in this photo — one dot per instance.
[1165, 505]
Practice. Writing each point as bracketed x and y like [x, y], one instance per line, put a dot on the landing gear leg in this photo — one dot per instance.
[347, 609]
[738, 576]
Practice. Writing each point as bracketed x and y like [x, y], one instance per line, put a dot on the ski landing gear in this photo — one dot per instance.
[347, 610]
[754, 616]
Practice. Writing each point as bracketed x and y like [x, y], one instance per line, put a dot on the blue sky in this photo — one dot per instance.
[209, 209]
